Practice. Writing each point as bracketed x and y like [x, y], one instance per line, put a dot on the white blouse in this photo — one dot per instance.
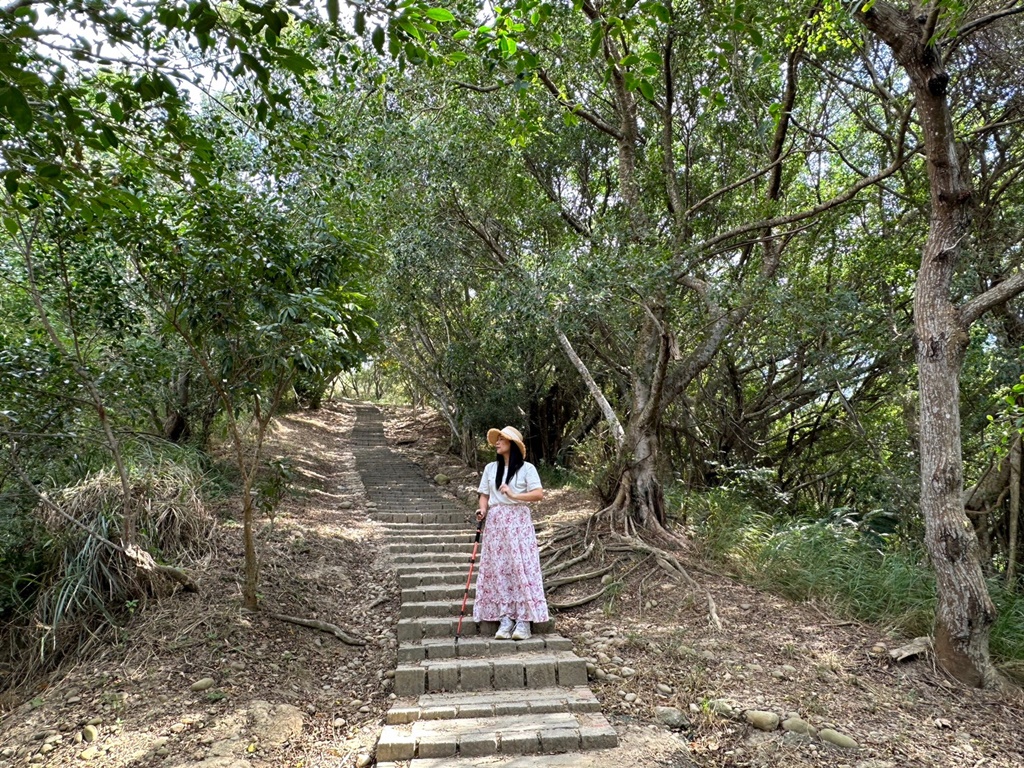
[525, 480]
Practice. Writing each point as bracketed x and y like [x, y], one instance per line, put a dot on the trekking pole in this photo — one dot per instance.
[472, 560]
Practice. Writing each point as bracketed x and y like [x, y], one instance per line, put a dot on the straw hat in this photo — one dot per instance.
[510, 433]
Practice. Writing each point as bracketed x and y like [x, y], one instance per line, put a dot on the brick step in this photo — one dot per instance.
[415, 630]
[554, 732]
[602, 758]
[520, 671]
[430, 503]
[422, 576]
[450, 706]
[458, 541]
[437, 592]
[434, 608]
[452, 518]
[436, 536]
[425, 529]
[479, 645]
[407, 547]
[431, 558]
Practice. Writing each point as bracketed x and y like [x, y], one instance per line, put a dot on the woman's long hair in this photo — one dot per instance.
[515, 461]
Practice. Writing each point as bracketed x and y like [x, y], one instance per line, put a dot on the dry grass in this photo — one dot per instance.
[89, 582]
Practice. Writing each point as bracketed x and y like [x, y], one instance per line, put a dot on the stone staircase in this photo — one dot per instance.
[464, 699]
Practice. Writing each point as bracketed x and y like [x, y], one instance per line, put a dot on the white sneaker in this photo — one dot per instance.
[522, 630]
[504, 629]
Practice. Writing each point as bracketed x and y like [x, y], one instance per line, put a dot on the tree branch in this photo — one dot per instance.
[1011, 10]
[480, 88]
[792, 218]
[576, 109]
[993, 297]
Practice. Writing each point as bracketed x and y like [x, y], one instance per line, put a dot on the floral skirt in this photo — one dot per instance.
[509, 582]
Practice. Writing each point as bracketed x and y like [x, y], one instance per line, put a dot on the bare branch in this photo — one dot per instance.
[480, 88]
[576, 109]
[1011, 10]
[993, 297]
[792, 218]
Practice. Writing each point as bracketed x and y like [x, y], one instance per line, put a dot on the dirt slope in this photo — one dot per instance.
[284, 695]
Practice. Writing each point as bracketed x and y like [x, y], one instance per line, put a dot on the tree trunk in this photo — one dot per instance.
[1014, 521]
[644, 494]
[964, 611]
[249, 589]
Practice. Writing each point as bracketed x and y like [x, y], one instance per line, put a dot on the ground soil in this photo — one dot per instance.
[324, 559]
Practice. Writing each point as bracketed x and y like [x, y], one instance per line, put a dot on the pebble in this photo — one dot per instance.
[627, 672]
[722, 708]
[339, 722]
[177, 728]
[202, 685]
[630, 697]
[839, 739]
[671, 716]
[762, 720]
[666, 689]
[90, 733]
[364, 709]
[363, 760]
[796, 725]
[90, 753]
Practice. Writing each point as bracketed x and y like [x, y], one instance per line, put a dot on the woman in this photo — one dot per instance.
[509, 587]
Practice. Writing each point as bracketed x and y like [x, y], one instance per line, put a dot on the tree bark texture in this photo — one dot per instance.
[964, 611]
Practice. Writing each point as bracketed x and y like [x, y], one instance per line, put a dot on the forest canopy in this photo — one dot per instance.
[726, 264]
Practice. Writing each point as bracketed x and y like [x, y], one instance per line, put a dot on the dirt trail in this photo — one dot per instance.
[286, 695]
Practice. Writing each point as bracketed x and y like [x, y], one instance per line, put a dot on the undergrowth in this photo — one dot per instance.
[856, 565]
[63, 575]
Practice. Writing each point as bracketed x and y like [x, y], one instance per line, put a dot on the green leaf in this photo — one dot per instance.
[48, 171]
[647, 90]
[11, 225]
[17, 107]
[360, 22]
[458, 56]
[462, 34]
[332, 11]
[439, 14]
[661, 12]
[410, 28]
[296, 63]
[378, 40]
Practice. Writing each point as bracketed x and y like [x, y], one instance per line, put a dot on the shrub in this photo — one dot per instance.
[855, 563]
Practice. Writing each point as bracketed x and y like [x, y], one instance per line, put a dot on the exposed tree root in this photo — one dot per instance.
[551, 571]
[555, 583]
[576, 603]
[605, 528]
[553, 537]
[178, 575]
[323, 626]
[674, 568]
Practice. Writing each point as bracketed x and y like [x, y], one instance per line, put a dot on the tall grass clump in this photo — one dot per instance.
[81, 578]
[856, 564]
